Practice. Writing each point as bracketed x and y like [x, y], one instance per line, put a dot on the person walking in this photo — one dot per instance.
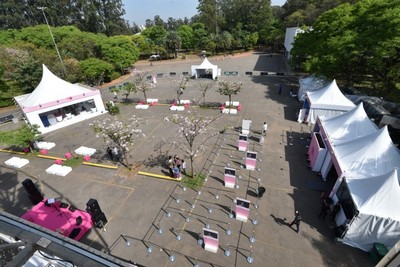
[280, 89]
[296, 221]
[324, 209]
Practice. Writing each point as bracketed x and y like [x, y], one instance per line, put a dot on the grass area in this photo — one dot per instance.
[74, 161]
[193, 183]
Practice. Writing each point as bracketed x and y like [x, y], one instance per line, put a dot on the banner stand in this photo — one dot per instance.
[243, 142]
[211, 240]
[229, 177]
[251, 160]
[242, 209]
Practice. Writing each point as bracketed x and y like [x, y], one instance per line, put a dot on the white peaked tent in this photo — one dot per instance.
[56, 103]
[309, 84]
[377, 220]
[347, 126]
[369, 155]
[206, 68]
[327, 101]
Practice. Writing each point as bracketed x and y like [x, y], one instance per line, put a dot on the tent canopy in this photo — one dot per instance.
[51, 88]
[327, 101]
[378, 220]
[369, 155]
[309, 84]
[198, 70]
[329, 97]
[347, 126]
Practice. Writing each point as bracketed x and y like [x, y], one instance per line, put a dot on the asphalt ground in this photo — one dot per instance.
[138, 206]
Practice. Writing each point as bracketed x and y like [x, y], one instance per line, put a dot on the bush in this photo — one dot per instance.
[115, 75]
[6, 102]
[113, 110]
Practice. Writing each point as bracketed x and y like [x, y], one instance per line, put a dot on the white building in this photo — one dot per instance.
[290, 35]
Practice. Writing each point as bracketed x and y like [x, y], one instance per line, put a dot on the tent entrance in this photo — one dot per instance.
[74, 112]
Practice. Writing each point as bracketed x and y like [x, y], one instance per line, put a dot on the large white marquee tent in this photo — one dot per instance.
[327, 101]
[375, 203]
[344, 127]
[56, 103]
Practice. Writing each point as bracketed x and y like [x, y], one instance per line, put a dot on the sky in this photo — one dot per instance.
[139, 10]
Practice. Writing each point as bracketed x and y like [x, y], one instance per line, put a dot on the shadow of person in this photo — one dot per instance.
[280, 221]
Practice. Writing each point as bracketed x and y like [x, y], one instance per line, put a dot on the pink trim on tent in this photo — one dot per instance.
[58, 102]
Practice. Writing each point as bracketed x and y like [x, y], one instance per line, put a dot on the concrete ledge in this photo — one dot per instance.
[100, 165]
[13, 152]
[159, 176]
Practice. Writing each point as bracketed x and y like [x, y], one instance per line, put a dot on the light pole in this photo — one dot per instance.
[52, 37]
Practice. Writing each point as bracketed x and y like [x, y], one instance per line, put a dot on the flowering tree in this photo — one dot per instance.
[204, 86]
[189, 128]
[180, 85]
[229, 89]
[142, 84]
[121, 133]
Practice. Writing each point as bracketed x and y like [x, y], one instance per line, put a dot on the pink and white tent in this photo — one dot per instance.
[56, 103]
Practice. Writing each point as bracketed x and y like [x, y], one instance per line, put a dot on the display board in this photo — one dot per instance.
[229, 177]
[246, 124]
[211, 240]
[242, 209]
[251, 160]
[243, 142]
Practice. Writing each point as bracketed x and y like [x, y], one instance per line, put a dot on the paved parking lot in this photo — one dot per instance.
[138, 207]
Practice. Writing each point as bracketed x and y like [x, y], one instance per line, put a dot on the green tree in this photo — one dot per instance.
[173, 42]
[96, 71]
[186, 34]
[156, 37]
[355, 43]
[119, 51]
[22, 137]
[127, 89]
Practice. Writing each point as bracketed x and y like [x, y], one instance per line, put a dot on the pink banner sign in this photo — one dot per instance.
[243, 142]
[251, 160]
[229, 177]
[242, 209]
[211, 240]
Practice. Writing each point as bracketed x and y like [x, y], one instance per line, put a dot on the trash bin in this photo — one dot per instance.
[378, 252]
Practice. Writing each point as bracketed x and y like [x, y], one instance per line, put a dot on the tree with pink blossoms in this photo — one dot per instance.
[142, 83]
[229, 88]
[189, 129]
[180, 85]
[204, 85]
[122, 133]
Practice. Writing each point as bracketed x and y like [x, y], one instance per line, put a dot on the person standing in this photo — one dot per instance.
[280, 89]
[324, 209]
[264, 128]
[110, 153]
[170, 164]
[183, 167]
[115, 153]
[296, 221]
